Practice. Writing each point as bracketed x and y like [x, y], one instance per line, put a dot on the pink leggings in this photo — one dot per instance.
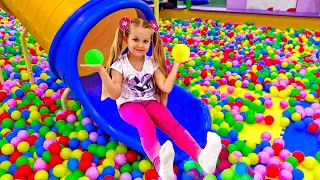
[145, 116]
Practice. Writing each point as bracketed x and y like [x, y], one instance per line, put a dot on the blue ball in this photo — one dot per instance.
[25, 114]
[297, 174]
[287, 114]
[102, 140]
[241, 168]
[136, 173]
[19, 93]
[40, 151]
[10, 136]
[12, 169]
[264, 143]
[86, 143]
[233, 134]
[4, 158]
[73, 164]
[108, 171]
[89, 127]
[74, 143]
[53, 178]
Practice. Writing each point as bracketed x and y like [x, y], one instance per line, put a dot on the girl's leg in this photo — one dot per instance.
[136, 115]
[207, 157]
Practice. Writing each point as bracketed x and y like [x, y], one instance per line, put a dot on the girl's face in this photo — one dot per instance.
[138, 41]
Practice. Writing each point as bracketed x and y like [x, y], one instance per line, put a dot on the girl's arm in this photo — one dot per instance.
[112, 86]
[166, 84]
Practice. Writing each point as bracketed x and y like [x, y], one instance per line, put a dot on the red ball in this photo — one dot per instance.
[151, 174]
[298, 155]
[84, 165]
[313, 128]
[64, 140]
[55, 160]
[54, 149]
[277, 148]
[14, 156]
[24, 170]
[223, 164]
[49, 102]
[87, 156]
[31, 140]
[225, 142]
[3, 95]
[175, 169]
[272, 171]
[61, 117]
[31, 176]
[268, 120]
[224, 153]
[108, 178]
[131, 156]
[70, 111]
[316, 116]
[44, 116]
[54, 108]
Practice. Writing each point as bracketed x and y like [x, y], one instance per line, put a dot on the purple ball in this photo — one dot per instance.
[285, 175]
[125, 176]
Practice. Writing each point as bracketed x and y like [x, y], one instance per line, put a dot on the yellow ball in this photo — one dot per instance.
[49, 92]
[251, 144]
[244, 108]
[59, 171]
[284, 122]
[258, 87]
[33, 108]
[82, 135]
[310, 98]
[283, 94]
[108, 162]
[238, 83]
[65, 153]
[180, 53]
[309, 162]
[15, 115]
[224, 125]
[23, 147]
[5, 165]
[84, 178]
[77, 153]
[34, 115]
[220, 115]
[229, 64]
[50, 135]
[254, 158]
[41, 175]
[233, 159]
[215, 127]
[116, 173]
[296, 116]
[121, 148]
[6, 177]
[144, 165]
[111, 153]
[245, 160]
[7, 149]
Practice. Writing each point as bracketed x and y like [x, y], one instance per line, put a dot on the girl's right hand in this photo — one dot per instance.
[93, 67]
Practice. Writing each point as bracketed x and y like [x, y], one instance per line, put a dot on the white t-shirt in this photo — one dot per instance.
[136, 86]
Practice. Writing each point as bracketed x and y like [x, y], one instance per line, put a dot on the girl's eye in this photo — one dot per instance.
[135, 39]
[145, 41]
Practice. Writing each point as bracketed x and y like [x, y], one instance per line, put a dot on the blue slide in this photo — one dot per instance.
[64, 52]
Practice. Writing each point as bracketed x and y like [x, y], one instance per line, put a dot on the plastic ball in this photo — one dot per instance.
[313, 128]
[297, 174]
[269, 120]
[94, 56]
[180, 53]
[284, 104]
[144, 165]
[228, 174]
[59, 171]
[266, 136]
[92, 173]
[285, 175]
[272, 171]
[7, 149]
[309, 162]
[41, 174]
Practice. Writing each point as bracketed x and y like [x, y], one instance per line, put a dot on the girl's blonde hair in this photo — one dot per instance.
[157, 51]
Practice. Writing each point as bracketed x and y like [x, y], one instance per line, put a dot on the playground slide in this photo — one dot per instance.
[67, 29]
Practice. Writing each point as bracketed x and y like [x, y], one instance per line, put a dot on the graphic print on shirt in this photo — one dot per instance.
[139, 87]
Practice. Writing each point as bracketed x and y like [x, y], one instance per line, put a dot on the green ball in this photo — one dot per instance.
[217, 121]
[239, 144]
[318, 156]
[223, 132]
[231, 148]
[112, 145]
[210, 177]
[3, 142]
[250, 119]
[238, 126]
[190, 165]
[246, 151]
[22, 160]
[126, 168]
[7, 123]
[228, 174]
[293, 161]
[101, 151]
[92, 148]
[2, 172]
[72, 177]
[94, 56]
[135, 165]
[48, 121]
[43, 131]
[230, 121]
[46, 156]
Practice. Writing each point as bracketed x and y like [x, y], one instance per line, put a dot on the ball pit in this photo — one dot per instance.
[43, 142]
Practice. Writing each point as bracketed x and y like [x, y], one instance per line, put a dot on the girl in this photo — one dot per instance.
[140, 85]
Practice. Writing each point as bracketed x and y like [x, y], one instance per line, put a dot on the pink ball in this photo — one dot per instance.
[224, 95]
[12, 103]
[274, 161]
[43, 86]
[38, 92]
[267, 98]
[120, 159]
[39, 164]
[247, 95]
[23, 134]
[266, 136]
[85, 121]
[92, 173]
[263, 157]
[245, 83]
[234, 111]
[315, 106]
[237, 154]
[15, 141]
[260, 169]
[279, 141]
[317, 121]
[285, 175]
[287, 166]
[302, 113]
[303, 94]
[268, 103]
[269, 151]
[298, 107]
[71, 118]
[230, 89]
[48, 142]
[257, 176]
[284, 154]
[309, 111]
[238, 117]
[259, 117]
[284, 104]
[93, 136]
[125, 176]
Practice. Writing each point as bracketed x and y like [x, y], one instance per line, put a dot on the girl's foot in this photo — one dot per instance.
[209, 155]
[166, 161]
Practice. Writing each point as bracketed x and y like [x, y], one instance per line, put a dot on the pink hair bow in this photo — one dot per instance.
[126, 21]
